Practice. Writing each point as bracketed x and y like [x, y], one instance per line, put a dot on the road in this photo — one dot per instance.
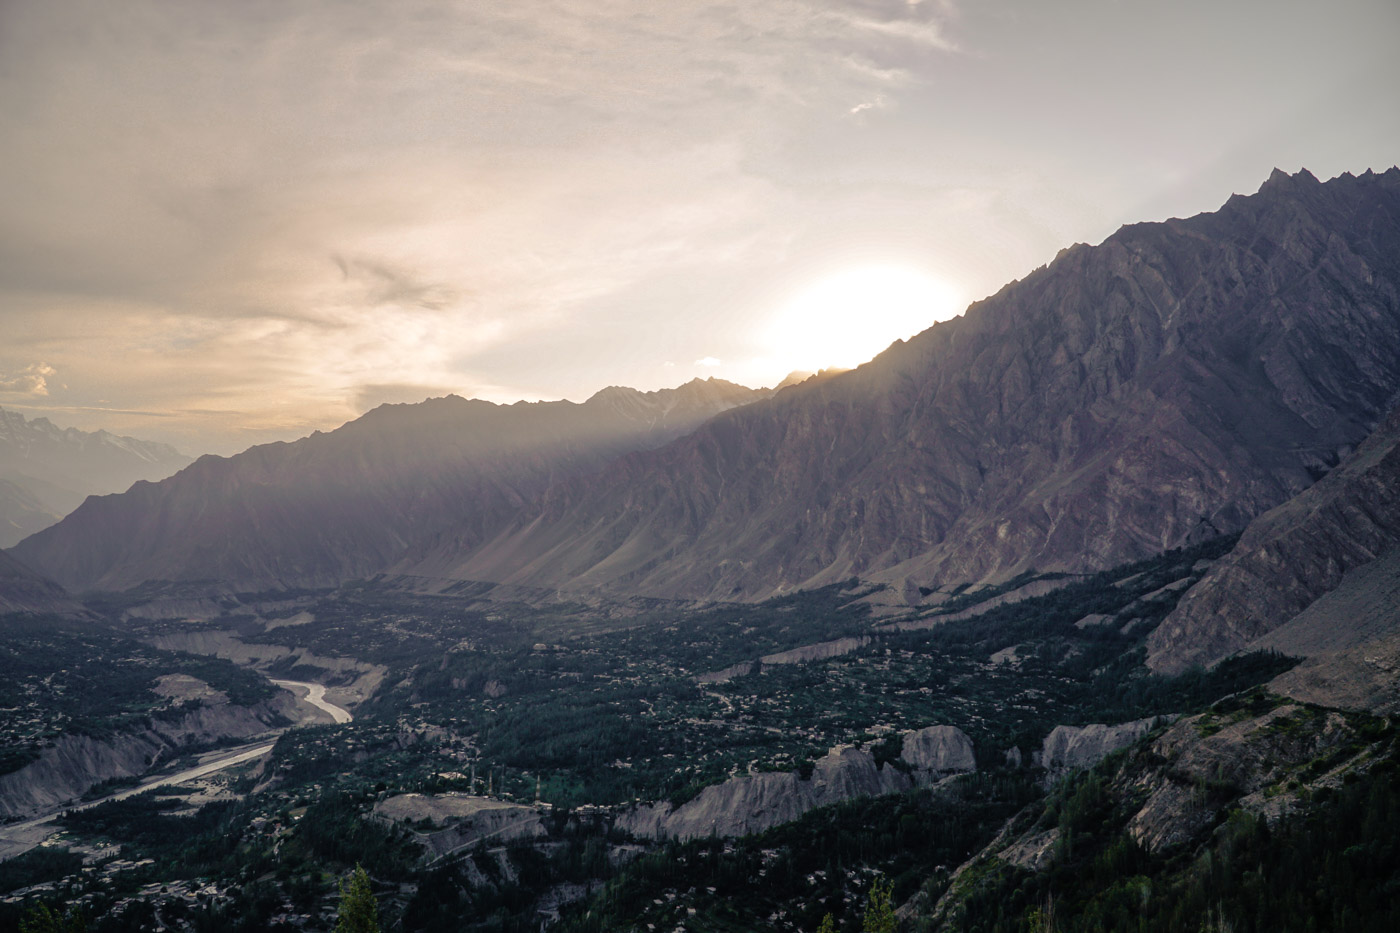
[17, 838]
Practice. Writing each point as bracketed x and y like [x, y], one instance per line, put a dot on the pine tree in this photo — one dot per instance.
[828, 924]
[879, 908]
[359, 913]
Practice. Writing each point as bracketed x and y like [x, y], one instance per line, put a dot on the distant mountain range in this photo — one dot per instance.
[47, 471]
[337, 506]
[1164, 387]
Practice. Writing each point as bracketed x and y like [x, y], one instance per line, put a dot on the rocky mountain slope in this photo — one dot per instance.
[1288, 558]
[342, 505]
[1167, 385]
[47, 471]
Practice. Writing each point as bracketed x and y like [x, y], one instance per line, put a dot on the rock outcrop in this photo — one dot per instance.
[1074, 748]
[1366, 677]
[1163, 387]
[1288, 558]
[447, 823]
[755, 802]
[938, 750]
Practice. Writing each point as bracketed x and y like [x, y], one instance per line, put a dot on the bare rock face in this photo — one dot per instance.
[1074, 748]
[347, 504]
[755, 802]
[939, 750]
[1288, 558]
[1163, 387]
[459, 821]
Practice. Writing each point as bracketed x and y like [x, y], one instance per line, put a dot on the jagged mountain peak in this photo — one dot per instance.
[1166, 385]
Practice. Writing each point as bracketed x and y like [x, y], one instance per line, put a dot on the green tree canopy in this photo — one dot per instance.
[879, 908]
[41, 919]
[359, 912]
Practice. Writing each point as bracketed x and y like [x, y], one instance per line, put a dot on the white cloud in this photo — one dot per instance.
[31, 380]
[709, 361]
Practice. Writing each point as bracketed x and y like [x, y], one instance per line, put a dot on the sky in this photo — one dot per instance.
[229, 223]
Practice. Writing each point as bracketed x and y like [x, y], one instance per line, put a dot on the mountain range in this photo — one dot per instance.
[1164, 387]
[47, 471]
[345, 504]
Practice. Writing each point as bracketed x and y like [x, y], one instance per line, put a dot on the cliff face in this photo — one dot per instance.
[756, 802]
[343, 505]
[1073, 748]
[74, 763]
[1165, 386]
[1287, 559]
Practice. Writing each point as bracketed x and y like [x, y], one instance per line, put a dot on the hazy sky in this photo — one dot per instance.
[228, 222]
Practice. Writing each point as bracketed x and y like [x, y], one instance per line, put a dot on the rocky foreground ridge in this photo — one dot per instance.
[1163, 387]
[1255, 755]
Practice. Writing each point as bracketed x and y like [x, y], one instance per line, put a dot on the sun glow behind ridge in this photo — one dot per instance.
[847, 318]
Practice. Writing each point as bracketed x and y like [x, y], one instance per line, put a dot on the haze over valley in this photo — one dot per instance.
[879, 466]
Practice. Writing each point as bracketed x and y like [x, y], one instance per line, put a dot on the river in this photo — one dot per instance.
[16, 838]
[316, 696]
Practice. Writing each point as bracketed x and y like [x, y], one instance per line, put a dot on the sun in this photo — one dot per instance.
[846, 318]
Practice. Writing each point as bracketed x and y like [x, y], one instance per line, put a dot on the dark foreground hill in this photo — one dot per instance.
[1163, 387]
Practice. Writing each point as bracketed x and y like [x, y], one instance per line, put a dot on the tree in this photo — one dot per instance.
[40, 919]
[1042, 919]
[879, 908]
[359, 913]
[828, 924]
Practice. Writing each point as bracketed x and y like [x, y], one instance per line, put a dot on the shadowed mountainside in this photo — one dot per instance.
[342, 505]
[1163, 387]
[23, 590]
